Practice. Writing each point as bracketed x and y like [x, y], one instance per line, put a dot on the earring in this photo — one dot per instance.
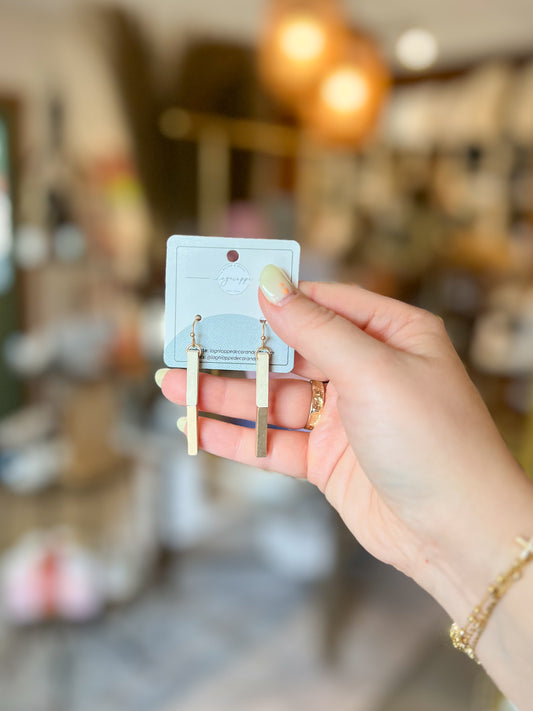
[193, 368]
[262, 368]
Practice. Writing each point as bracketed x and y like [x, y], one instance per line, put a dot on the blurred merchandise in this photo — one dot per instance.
[35, 466]
[113, 214]
[9, 281]
[152, 328]
[503, 337]
[31, 249]
[46, 575]
[69, 243]
[112, 518]
[77, 347]
[27, 425]
[299, 544]
[87, 425]
[186, 515]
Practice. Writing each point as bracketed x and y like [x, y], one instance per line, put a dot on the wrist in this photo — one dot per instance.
[505, 646]
[478, 544]
[479, 557]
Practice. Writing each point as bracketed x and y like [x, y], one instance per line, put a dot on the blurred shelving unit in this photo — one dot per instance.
[79, 528]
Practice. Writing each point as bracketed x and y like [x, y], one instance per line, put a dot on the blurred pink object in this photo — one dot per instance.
[244, 219]
[46, 575]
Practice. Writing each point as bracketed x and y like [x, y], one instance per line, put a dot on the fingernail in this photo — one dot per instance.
[160, 374]
[181, 424]
[275, 284]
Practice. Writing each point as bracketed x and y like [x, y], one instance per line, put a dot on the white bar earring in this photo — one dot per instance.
[262, 370]
[193, 370]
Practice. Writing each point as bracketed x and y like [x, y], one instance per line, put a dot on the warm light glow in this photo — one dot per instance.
[299, 41]
[302, 38]
[331, 76]
[345, 90]
[417, 49]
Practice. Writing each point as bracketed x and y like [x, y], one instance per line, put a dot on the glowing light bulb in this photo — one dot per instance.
[302, 38]
[345, 90]
[417, 49]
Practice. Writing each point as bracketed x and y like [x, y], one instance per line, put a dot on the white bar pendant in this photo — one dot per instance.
[261, 400]
[193, 369]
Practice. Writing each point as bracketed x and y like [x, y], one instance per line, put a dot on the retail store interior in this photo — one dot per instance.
[134, 577]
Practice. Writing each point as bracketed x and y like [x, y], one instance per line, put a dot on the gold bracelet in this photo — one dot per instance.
[466, 638]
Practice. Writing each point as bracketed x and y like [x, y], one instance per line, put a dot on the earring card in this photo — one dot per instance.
[218, 278]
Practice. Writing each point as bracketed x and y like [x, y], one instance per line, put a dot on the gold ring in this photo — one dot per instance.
[318, 400]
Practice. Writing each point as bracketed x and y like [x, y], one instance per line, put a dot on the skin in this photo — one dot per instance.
[405, 451]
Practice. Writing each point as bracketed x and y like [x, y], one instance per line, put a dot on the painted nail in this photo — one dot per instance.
[160, 374]
[275, 284]
[181, 423]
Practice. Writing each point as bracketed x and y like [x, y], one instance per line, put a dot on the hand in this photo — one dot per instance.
[405, 449]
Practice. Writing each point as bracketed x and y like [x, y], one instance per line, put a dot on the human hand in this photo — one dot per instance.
[405, 449]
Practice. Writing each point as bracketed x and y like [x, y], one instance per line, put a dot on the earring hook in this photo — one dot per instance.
[263, 347]
[192, 334]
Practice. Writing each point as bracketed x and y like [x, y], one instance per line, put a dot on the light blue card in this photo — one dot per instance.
[218, 278]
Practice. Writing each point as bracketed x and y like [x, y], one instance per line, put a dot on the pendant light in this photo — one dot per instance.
[345, 104]
[333, 78]
[301, 38]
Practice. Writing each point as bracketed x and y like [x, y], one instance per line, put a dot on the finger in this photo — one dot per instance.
[379, 316]
[287, 450]
[316, 332]
[289, 400]
[305, 369]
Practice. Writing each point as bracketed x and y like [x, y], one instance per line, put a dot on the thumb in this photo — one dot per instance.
[320, 335]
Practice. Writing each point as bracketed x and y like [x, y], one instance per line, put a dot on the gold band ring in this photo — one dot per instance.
[318, 399]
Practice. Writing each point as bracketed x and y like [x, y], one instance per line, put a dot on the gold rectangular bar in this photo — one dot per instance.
[261, 401]
[261, 430]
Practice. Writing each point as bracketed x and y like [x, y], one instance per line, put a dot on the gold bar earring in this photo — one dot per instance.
[193, 369]
[262, 369]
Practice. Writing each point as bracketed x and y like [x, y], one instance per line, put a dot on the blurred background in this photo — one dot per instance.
[395, 142]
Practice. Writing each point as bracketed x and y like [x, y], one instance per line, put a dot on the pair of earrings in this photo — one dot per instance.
[262, 369]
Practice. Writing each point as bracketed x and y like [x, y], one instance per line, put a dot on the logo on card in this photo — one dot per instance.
[233, 278]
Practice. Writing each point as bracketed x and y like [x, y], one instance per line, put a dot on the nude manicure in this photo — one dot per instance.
[160, 374]
[275, 284]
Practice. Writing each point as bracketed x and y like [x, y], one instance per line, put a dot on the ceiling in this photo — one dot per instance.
[465, 29]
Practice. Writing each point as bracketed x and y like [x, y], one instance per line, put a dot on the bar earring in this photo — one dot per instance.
[262, 369]
[193, 369]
